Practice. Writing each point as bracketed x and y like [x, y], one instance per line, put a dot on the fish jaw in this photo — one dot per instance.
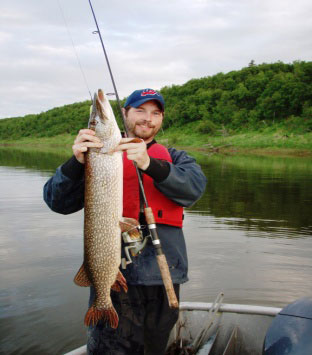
[102, 120]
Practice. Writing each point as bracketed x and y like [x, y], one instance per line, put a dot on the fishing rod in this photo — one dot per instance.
[149, 216]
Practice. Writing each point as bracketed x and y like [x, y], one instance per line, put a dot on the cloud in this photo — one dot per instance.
[149, 44]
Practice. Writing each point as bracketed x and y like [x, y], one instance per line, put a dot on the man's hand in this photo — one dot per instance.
[135, 151]
[85, 139]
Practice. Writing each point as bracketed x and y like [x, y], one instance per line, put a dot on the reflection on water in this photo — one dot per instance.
[249, 236]
[34, 159]
[249, 266]
[259, 191]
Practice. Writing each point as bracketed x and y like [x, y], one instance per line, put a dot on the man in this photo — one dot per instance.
[172, 180]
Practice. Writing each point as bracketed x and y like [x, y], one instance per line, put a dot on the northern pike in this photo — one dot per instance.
[102, 215]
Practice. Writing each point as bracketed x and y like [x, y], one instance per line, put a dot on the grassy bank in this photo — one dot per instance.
[62, 143]
[269, 141]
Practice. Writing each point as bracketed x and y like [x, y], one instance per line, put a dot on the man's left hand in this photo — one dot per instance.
[135, 151]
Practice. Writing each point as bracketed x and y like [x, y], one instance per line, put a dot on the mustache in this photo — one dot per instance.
[145, 122]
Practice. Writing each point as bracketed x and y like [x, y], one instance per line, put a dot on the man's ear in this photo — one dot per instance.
[123, 111]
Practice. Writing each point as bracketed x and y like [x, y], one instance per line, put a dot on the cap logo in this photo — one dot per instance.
[149, 92]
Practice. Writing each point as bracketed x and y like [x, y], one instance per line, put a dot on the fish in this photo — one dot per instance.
[102, 215]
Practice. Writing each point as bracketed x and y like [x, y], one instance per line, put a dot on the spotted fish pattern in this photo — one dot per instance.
[102, 215]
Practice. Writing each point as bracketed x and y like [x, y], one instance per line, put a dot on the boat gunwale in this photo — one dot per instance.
[230, 308]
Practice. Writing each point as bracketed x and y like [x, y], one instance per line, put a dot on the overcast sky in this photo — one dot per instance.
[149, 44]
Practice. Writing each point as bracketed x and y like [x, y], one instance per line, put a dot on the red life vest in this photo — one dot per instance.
[165, 211]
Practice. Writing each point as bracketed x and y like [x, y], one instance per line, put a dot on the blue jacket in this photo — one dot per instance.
[185, 184]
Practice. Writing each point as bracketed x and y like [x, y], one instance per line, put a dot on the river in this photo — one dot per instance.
[249, 236]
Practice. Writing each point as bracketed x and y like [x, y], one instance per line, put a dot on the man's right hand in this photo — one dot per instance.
[85, 139]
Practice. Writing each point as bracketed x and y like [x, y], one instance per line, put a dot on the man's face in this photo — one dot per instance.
[144, 121]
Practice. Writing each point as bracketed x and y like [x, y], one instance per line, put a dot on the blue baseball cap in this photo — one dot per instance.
[138, 97]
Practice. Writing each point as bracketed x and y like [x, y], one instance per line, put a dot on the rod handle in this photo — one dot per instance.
[166, 277]
[149, 215]
[161, 260]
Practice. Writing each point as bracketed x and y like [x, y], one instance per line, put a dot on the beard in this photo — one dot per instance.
[135, 129]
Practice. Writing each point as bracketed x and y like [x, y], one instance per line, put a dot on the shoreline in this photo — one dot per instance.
[278, 152]
[250, 143]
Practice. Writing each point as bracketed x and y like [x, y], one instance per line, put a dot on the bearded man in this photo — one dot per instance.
[172, 180]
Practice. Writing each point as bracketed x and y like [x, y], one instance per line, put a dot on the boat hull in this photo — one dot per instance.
[246, 324]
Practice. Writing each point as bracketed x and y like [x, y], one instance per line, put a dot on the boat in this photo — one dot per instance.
[217, 328]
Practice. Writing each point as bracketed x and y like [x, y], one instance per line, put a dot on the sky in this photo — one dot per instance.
[150, 44]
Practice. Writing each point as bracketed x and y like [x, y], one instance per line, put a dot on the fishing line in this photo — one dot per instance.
[73, 44]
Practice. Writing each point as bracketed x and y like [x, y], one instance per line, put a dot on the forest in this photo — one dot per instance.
[247, 99]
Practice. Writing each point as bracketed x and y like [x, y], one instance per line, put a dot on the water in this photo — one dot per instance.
[249, 236]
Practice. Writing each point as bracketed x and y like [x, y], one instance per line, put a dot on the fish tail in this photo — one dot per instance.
[119, 283]
[94, 314]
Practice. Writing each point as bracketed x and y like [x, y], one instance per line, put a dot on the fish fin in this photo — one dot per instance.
[131, 226]
[94, 314]
[81, 278]
[119, 283]
[116, 287]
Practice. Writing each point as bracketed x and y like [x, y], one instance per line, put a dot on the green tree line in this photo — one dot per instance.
[254, 96]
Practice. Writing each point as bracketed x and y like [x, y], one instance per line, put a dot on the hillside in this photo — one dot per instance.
[252, 98]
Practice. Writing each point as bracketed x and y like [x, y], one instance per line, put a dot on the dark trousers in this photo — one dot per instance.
[145, 322]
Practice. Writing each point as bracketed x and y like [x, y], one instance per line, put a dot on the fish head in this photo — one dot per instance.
[102, 120]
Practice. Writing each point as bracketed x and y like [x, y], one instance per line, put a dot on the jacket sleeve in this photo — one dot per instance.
[186, 182]
[64, 194]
